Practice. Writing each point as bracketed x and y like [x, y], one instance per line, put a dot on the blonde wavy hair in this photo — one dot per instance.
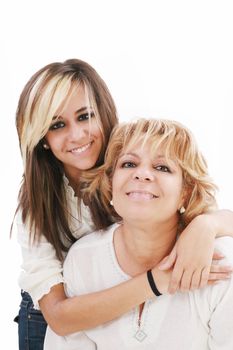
[178, 144]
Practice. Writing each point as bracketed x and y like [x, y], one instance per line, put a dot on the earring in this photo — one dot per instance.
[111, 202]
[45, 146]
[182, 210]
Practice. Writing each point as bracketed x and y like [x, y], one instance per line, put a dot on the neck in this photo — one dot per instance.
[141, 248]
[73, 181]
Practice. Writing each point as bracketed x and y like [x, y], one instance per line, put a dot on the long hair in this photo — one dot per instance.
[178, 144]
[42, 198]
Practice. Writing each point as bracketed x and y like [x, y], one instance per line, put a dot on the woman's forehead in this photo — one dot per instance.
[150, 148]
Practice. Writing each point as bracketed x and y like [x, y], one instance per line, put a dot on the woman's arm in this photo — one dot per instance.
[42, 278]
[192, 256]
[223, 221]
[68, 315]
[86, 311]
[74, 314]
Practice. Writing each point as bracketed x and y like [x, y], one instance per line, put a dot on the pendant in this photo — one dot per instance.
[140, 335]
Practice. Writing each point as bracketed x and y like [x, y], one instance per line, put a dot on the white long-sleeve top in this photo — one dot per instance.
[197, 320]
[41, 269]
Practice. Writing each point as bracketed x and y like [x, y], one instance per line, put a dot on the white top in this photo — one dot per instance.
[198, 320]
[40, 267]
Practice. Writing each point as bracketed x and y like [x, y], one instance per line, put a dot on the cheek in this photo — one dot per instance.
[53, 143]
[179, 195]
[97, 134]
[51, 138]
[175, 190]
[100, 138]
[95, 129]
[116, 186]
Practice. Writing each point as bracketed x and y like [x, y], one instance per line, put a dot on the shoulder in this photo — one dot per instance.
[85, 254]
[94, 239]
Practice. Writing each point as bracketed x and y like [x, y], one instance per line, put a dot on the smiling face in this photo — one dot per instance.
[74, 136]
[146, 187]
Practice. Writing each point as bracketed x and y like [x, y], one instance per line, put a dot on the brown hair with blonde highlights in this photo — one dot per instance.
[178, 144]
[42, 198]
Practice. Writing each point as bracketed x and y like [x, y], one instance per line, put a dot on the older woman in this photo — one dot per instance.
[156, 181]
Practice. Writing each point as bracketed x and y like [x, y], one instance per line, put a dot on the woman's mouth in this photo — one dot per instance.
[141, 195]
[81, 149]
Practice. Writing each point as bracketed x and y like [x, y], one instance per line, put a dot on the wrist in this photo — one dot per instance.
[161, 279]
[208, 221]
[152, 284]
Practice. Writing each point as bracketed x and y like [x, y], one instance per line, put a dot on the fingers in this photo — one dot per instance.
[221, 268]
[199, 278]
[184, 281]
[218, 255]
[219, 276]
[220, 272]
[204, 276]
[188, 278]
[196, 280]
[176, 278]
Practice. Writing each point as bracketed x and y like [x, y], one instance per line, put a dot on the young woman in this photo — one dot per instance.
[157, 182]
[64, 119]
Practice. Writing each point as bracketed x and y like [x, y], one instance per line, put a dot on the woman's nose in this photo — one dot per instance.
[143, 175]
[77, 132]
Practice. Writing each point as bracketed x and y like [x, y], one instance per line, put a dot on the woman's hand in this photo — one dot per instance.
[193, 258]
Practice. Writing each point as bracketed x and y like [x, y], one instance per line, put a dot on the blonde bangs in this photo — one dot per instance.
[46, 98]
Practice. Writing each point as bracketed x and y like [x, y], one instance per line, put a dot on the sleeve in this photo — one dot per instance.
[75, 341]
[72, 277]
[73, 286]
[40, 269]
[221, 336]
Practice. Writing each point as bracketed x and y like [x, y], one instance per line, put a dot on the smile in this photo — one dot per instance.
[141, 195]
[81, 149]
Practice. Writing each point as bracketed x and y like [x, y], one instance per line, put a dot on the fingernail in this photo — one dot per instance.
[227, 277]
[229, 268]
[220, 255]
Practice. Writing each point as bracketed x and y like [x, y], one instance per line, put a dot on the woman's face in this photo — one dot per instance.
[72, 138]
[146, 187]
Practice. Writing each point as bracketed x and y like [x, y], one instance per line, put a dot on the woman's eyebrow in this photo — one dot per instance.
[128, 154]
[82, 109]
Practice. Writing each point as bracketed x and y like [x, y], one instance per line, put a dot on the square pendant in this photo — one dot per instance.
[140, 335]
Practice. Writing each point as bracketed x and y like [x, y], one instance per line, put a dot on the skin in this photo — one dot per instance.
[147, 194]
[149, 170]
[74, 136]
[69, 139]
[77, 142]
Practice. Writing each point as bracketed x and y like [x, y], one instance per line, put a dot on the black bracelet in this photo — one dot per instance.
[152, 283]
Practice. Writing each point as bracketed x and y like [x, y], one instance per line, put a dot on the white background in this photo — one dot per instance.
[171, 59]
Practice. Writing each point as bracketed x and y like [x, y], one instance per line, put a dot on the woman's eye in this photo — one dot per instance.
[128, 165]
[57, 125]
[85, 116]
[163, 168]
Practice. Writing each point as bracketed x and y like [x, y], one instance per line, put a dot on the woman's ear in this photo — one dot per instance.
[44, 143]
[184, 199]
